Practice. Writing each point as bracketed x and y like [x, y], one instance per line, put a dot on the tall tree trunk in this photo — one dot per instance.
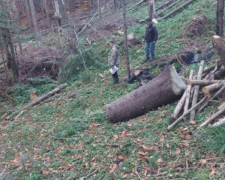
[33, 12]
[99, 11]
[220, 13]
[114, 5]
[9, 53]
[46, 8]
[62, 10]
[125, 38]
[151, 9]
[28, 15]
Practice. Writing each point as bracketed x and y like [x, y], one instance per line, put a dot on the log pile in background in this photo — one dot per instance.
[208, 88]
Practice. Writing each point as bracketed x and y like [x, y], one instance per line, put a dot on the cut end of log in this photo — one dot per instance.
[178, 84]
[216, 37]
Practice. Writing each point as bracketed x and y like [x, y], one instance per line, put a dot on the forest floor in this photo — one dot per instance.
[69, 136]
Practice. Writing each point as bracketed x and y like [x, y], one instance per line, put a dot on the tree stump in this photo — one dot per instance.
[164, 88]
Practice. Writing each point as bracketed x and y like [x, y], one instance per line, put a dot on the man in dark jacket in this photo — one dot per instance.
[151, 37]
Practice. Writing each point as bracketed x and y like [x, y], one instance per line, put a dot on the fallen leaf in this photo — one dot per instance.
[143, 153]
[203, 161]
[120, 157]
[147, 148]
[114, 166]
[178, 151]
[187, 137]
[193, 122]
[212, 172]
[160, 160]
[168, 146]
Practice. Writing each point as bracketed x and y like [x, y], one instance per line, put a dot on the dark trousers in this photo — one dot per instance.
[115, 75]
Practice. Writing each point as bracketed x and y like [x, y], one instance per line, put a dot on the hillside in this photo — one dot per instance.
[68, 136]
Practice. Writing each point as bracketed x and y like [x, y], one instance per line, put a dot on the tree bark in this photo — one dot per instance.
[151, 9]
[196, 92]
[8, 52]
[163, 89]
[204, 82]
[187, 102]
[38, 100]
[63, 13]
[218, 44]
[33, 12]
[220, 13]
[125, 39]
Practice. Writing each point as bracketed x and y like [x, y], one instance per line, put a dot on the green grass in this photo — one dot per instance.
[69, 138]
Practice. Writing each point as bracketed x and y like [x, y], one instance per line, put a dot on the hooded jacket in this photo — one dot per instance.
[151, 33]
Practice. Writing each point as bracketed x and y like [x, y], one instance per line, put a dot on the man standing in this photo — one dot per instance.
[151, 36]
[114, 60]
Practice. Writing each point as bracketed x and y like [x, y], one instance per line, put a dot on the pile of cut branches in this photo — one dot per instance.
[37, 62]
[203, 88]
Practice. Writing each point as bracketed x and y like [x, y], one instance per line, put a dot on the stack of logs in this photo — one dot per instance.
[207, 86]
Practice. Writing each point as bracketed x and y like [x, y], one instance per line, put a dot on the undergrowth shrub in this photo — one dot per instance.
[21, 93]
[214, 140]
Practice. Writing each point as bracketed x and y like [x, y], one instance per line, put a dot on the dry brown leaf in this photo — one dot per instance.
[143, 153]
[193, 122]
[120, 157]
[178, 151]
[114, 166]
[147, 148]
[203, 161]
[212, 172]
[160, 160]
[187, 137]
[187, 153]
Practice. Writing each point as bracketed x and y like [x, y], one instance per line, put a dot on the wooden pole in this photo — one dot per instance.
[179, 106]
[125, 39]
[185, 114]
[196, 92]
[218, 44]
[151, 9]
[212, 98]
[187, 102]
[214, 116]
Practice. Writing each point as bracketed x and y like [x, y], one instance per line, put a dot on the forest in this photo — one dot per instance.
[112, 89]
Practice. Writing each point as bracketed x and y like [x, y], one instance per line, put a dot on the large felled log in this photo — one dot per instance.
[163, 89]
[38, 100]
[220, 74]
[218, 44]
[196, 92]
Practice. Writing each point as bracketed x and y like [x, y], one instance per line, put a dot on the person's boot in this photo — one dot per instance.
[146, 60]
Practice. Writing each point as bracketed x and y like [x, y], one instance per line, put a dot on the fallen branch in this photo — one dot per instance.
[179, 106]
[171, 5]
[85, 177]
[185, 114]
[204, 82]
[3, 62]
[177, 9]
[136, 4]
[212, 118]
[219, 123]
[164, 5]
[196, 92]
[187, 102]
[38, 100]
[208, 89]
[213, 97]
